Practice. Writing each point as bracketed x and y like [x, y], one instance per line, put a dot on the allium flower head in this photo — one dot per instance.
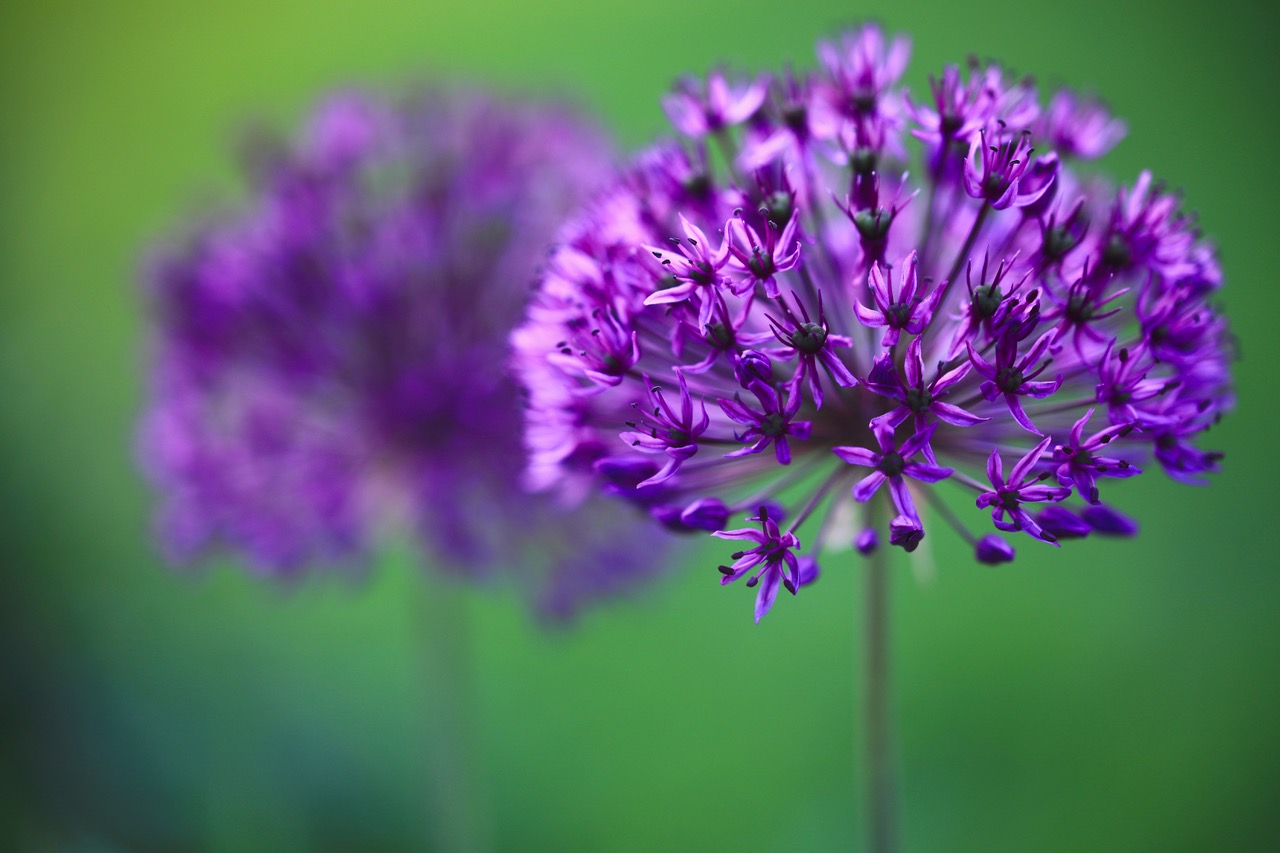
[336, 354]
[918, 294]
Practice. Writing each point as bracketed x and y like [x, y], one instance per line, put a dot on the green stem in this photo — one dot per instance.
[963, 255]
[729, 152]
[455, 797]
[878, 759]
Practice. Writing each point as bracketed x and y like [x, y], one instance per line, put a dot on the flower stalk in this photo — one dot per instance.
[880, 786]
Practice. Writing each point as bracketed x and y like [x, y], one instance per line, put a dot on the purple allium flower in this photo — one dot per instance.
[897, 311]
[1022, 486]
[1076, 298]
[697, 112]
[1079, 126]
[335, 356]
[774, 553]
[891, 462]
[998, 167]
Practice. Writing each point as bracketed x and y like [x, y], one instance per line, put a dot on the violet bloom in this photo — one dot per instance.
[861, 70]
[696, 111]
[891, 464]
[772, 424]
[663, 429]
[1129, 319]
[1079, 126]
[333, 358]
[1081, 463]
[900, 310]
[917, 398]
[1007, 496]
[872, 220]
[1013, 376]
[994, 306]
[959, 110]
[1084, 305]
[774, 553]
[812, 343]
[997, 170]
[759, 260]
[696, 269]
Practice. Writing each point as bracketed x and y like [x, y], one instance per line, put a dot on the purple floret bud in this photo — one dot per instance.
[1062, 523]
[993, 550]
[1108, 522]
[709, 514]
[753, 369]
[906, 533]
[810, 571]
[866, 541]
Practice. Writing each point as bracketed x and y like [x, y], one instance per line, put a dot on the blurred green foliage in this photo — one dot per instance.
[1108, 696]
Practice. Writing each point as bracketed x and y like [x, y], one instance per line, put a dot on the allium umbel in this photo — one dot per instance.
[831, 291]
[336, 355]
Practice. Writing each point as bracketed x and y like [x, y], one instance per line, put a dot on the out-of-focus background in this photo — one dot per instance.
[1111, 696]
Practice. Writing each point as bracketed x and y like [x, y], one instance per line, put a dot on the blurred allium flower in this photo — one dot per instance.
[336, 355]
[773, 317]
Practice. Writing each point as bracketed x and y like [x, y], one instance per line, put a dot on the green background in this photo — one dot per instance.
[1113, 696]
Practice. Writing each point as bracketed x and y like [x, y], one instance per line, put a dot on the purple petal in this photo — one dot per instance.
[867, 486]
[857, 456]
[741, 533]
[926, 473]
[912, 445]
[902, 498]
[866, 316]
[1024, 466]
[913, 365]
[995, 468]
[1020, 414]
[768, 592]
[955, 415]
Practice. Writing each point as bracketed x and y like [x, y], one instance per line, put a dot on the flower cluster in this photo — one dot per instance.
[336, 355]
[828, 285]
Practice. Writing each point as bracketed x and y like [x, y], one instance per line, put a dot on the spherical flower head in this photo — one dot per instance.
[334, 356]
[900, 298]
